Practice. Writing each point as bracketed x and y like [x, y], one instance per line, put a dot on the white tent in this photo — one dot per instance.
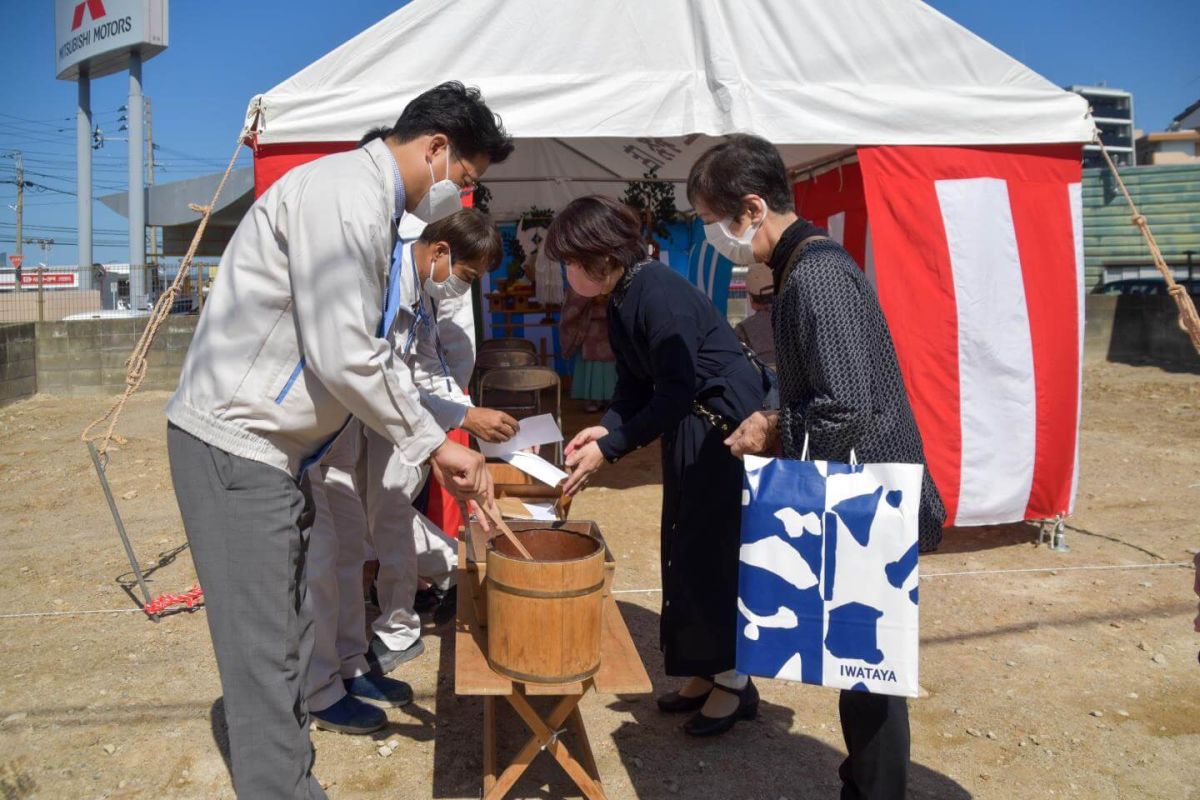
[964, 205]
[598, 92]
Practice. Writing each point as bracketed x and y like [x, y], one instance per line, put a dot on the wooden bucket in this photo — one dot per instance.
[544, 615]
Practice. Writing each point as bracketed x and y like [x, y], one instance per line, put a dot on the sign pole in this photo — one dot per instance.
[83, 158]
[137, 194]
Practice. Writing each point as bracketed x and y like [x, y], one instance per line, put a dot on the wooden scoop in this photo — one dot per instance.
[498, 520]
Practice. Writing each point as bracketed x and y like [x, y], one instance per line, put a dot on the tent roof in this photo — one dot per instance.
[580, 82]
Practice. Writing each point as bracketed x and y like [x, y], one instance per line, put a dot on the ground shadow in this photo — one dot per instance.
[764, 758]
[759, 759]
[987, 537]
[1146, 332]
[220, 733]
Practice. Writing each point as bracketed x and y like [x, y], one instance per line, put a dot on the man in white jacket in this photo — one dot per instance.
[289, 348]
[364, 491]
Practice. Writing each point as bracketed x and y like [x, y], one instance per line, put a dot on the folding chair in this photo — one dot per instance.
[488, 360]
[508, 343]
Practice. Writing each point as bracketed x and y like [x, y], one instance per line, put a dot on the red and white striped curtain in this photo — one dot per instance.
[977, 257]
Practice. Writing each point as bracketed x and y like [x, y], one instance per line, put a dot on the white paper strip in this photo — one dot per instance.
[541, 511]
[534, 431]
[535, 466]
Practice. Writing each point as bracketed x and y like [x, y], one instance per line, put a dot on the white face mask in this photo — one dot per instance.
[443, 197]
[736, 248]
[448, 289]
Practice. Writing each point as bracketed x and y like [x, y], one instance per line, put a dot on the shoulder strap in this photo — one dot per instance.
[800, 248]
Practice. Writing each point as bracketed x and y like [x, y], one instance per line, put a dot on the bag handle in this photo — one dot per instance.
[804, 452]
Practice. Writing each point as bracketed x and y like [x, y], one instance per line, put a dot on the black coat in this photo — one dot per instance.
[673, 347]
[839, 380]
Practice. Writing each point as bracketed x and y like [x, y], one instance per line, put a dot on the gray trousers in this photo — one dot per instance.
[243, 522]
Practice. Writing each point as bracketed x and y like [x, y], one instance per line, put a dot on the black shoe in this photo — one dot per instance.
[382, 659]
[447, 609]
[701, 725]
[350, 715]
[427, 599]
[675, 703]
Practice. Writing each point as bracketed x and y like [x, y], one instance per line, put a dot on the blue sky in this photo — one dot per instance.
[222, 52]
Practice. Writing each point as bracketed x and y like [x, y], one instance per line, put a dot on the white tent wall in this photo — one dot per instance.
[594, 92]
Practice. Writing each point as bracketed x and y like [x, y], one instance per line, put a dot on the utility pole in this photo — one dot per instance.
[47, 245]
[15, 155]
[20, 202]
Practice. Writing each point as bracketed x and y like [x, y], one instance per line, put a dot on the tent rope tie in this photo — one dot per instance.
[136, 364]
[1189, 320]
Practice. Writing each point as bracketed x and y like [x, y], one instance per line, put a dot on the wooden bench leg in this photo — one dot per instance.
[585, 745]
[546, 735]
[489, 744]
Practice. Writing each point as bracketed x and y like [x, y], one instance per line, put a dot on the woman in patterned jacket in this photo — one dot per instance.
[839, 386]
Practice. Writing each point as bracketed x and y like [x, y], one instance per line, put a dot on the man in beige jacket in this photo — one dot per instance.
[288, 349]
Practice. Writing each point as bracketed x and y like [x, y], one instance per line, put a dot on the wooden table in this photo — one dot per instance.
[621, 672]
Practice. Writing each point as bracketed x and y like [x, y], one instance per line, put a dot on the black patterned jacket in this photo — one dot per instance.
[839, 379]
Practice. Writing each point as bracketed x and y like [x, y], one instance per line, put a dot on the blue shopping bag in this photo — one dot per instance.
[827, 579]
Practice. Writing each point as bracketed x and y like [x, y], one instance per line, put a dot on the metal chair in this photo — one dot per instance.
[507, 343]
[520, 392]
[488, 360]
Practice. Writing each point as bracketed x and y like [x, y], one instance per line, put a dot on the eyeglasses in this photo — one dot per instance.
[473, 181]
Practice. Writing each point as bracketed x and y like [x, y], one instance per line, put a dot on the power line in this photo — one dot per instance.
[61, 228]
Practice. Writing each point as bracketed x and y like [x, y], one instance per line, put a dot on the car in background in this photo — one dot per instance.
[108, 313]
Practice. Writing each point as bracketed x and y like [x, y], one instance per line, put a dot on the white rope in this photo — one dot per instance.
[1092, 567]
[1058, 569]
[31, 614]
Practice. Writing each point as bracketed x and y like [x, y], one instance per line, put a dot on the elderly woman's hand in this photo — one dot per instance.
[757, 434]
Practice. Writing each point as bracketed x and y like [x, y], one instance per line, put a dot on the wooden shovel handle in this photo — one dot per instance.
[498, 520]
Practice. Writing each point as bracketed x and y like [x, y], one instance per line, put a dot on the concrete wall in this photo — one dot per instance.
[1137, 330]
[18, 366]
[1168, 195]
[88, 356]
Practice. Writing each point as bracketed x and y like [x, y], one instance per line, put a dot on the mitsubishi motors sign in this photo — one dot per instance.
[98, 35]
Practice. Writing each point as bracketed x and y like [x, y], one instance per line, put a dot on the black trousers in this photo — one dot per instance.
[875, 727]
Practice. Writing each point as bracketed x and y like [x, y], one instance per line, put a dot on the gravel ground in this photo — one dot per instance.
[1047, 674]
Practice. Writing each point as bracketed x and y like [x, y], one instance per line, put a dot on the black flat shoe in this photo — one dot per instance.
[675, 703]
[701, 725]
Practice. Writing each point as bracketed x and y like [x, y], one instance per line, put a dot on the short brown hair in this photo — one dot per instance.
[472, 237]
[592, 230]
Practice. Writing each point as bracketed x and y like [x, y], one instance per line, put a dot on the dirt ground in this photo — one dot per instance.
[1058, 678]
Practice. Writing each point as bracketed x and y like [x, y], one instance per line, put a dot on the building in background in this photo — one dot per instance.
[1112, 109]
[1169, 147]
[1189, 118]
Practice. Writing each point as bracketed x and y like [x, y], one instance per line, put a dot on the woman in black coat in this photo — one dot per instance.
[682, 376]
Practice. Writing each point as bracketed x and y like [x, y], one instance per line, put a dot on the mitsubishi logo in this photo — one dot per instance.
[94, 7]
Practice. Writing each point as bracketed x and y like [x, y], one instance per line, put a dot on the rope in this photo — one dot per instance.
[1189, 321]
[926, 576]
[191, 598]
[135, 366]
